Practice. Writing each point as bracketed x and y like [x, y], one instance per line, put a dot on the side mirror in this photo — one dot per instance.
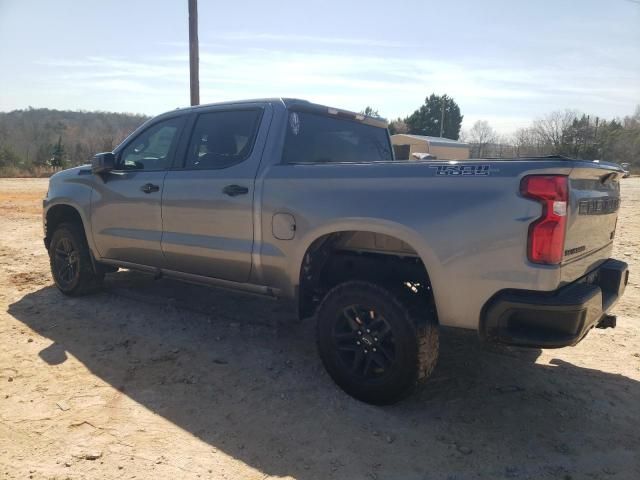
[103, 162]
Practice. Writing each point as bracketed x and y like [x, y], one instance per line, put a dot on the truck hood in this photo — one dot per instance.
[69, 172]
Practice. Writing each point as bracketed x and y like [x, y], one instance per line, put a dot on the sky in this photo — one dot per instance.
[507, 62]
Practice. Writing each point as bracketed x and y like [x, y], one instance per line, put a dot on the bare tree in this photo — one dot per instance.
[632, 121]
[398, 126]
[502, 147]
[480, 137]
[554, 127]
[527, 143]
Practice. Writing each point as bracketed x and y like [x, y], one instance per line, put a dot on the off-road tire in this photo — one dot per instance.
[415, 343]
[84, 279]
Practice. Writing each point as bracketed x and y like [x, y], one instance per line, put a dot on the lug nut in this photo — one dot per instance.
[366, 351]
[357, 343]
[374, 349]
[359, 332]
[375, 339]
[368, 331]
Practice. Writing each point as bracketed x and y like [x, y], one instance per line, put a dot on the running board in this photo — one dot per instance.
[197, 279]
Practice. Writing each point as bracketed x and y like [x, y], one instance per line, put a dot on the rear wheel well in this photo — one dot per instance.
[380, 259]
[57, 215]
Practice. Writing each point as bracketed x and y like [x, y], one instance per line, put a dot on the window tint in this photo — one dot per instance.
[313, 138]
[151, 149]
[221, 139]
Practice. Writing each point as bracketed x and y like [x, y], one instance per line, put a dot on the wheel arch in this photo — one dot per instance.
[63, 212]
[321, 243]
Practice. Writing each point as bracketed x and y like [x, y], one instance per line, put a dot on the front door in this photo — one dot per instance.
[207, 203]
[126, 217]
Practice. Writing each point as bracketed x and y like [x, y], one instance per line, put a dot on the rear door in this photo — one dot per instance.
[126, 217]
[594, 201]
[207, 203]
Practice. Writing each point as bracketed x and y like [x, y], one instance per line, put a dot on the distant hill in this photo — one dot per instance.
[29, 138]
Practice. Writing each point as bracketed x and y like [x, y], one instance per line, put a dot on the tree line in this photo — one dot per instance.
[38, 141]
[566, 132]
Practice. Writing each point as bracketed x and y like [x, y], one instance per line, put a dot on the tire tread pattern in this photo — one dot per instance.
[89, 281]
[426, 332]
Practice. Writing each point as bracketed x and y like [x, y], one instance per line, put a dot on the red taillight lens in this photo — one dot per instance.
[546, 234]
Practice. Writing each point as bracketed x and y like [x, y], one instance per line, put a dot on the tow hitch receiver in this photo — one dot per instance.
[608, 321]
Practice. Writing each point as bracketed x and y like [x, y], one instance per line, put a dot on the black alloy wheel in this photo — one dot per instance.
[71, 266]
[371, 345]
[66, 263]
[364, 341]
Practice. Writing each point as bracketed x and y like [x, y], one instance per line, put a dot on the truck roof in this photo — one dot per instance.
[298, 105]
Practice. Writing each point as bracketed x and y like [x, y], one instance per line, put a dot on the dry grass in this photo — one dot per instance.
[31, 172]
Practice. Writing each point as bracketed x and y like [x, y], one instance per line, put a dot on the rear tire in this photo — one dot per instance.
[70, 260]
[371, 346]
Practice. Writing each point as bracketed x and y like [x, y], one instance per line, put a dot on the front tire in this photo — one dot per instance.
[370, 344]
[70, 260]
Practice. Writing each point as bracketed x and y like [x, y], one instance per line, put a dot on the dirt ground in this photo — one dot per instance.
[156, 379]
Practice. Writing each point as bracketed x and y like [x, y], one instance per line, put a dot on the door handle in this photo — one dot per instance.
[233, 190]
[149, 187]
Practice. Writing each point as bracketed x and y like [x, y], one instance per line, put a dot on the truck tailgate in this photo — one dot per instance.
[594, 200]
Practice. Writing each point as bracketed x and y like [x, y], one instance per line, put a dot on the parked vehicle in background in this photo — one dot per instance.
[423, 156]
[442, 148]
[626, 167]
[304, 202]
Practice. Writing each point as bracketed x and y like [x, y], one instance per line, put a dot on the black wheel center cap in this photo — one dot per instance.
[367, 340]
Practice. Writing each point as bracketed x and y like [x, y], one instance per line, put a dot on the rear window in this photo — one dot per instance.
[313, 138]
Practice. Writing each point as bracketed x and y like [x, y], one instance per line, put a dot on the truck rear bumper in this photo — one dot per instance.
[554, 319]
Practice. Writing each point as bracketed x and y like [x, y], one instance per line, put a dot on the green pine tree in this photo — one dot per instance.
[58, 155]
[370, 112]
[426, 120]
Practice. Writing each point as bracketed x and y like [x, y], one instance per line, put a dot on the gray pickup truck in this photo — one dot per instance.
[303, 202]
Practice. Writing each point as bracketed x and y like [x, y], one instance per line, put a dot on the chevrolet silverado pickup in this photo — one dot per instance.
[306, 203]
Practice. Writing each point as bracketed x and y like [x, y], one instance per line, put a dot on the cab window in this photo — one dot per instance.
[152, 149]
[221, 139]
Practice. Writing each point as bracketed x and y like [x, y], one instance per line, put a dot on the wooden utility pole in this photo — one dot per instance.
[194, 68]
[442, 118]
